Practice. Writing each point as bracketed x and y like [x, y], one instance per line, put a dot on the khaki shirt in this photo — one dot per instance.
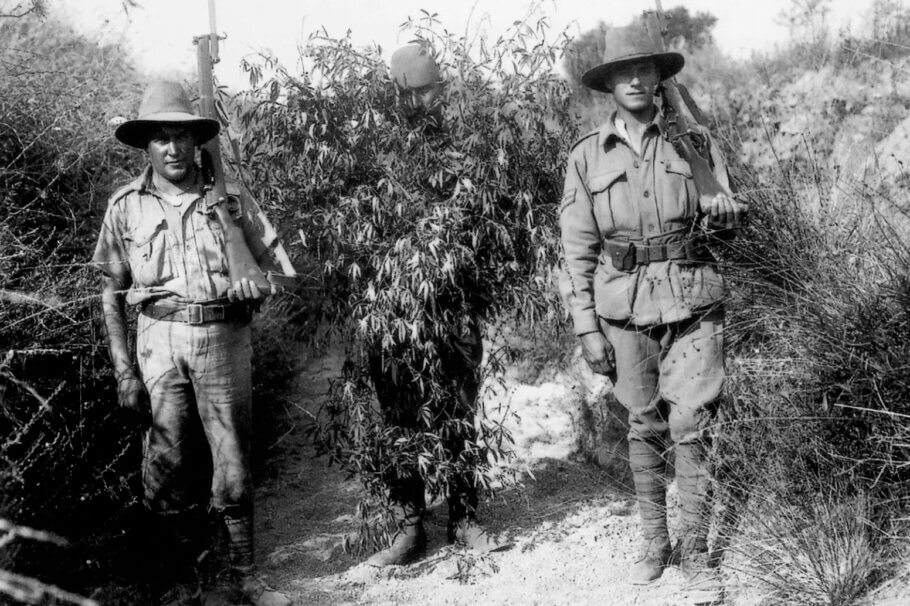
[166, 247]
[611, 192]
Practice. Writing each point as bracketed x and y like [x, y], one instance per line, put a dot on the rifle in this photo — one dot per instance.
[241, 263]
[681, 113]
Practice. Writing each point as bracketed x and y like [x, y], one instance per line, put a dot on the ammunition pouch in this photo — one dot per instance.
[627, 255]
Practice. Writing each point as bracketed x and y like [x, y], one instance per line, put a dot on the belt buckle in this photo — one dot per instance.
[194, 314]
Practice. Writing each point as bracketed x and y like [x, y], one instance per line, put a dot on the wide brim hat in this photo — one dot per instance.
[413, 66]
[165, 103]
[627, 45]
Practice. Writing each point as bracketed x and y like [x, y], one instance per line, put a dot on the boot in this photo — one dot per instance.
[410, 542]
[241, 587]
[238, 585]
[258, 593]
[466, 532]
[648, 472]
[653, 557]
[463, 528]
[693, 480]
[183, 539]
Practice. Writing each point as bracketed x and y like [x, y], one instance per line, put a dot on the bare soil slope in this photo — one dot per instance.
[573, 527]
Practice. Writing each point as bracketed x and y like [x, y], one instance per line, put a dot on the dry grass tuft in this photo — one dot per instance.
[812, 449]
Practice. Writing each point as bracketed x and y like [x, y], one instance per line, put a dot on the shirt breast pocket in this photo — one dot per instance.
[151, 261]
[681, 192]
[609, 195]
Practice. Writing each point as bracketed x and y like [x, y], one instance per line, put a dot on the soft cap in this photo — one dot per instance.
[413, 67]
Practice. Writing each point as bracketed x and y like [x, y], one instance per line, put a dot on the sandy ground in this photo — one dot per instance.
[573, 528]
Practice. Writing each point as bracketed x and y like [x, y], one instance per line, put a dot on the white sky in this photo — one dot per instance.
[159, 33]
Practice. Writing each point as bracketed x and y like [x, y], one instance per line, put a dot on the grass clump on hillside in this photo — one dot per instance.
[813, 437]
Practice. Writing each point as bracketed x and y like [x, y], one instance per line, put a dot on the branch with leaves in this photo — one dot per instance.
[419, 231]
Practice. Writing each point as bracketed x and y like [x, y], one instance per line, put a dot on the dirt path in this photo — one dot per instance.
[573, 527]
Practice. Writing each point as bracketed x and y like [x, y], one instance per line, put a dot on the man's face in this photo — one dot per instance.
[171, 151]
[426, 100]
[634, 86]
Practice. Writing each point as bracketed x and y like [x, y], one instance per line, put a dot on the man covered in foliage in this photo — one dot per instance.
[161, 251]
[645, 295]
[400, 384]
[422, 221]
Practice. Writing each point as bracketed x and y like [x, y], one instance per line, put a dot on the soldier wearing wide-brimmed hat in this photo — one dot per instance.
[165, 103]
[190, 385]
[646, 297]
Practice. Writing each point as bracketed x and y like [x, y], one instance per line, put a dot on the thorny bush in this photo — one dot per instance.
[69, 458]
[410, 230]
[68, 462]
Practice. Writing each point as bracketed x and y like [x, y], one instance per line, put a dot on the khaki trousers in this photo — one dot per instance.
[199, 382]
[668, 376]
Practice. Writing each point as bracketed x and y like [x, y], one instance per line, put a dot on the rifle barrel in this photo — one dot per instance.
[213, 30]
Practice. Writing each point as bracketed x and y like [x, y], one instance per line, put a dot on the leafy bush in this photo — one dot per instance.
[412, 231]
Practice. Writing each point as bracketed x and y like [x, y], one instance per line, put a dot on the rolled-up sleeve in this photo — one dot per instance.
[581, 247]
[110, 253]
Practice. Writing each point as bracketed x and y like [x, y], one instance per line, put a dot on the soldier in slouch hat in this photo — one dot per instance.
[646, 296]
[190, 383]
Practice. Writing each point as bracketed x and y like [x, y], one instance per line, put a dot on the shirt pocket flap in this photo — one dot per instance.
[679, 167]
[143, 234]
[602, 182]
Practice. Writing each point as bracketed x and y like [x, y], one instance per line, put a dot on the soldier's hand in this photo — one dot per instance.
[724, 212]
[598, 353]
[134, 399]
[247, 290]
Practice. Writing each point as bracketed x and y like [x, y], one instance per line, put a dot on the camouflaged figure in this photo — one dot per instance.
[646, 297]
[420, 92]
[160, 251]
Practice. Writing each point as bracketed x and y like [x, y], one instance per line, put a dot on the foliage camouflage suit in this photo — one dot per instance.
[399, 392]
[160, 251]
[645, 295]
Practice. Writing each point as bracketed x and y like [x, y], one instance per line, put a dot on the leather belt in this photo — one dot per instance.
[197, 313]
[627, 256]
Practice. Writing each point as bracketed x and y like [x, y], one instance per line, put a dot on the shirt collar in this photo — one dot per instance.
[608, 132]
[143, 183]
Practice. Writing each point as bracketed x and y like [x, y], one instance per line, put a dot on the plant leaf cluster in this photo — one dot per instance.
[413, 231]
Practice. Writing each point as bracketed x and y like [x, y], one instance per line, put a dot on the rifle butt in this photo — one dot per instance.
[285, 281]
[241, 263]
